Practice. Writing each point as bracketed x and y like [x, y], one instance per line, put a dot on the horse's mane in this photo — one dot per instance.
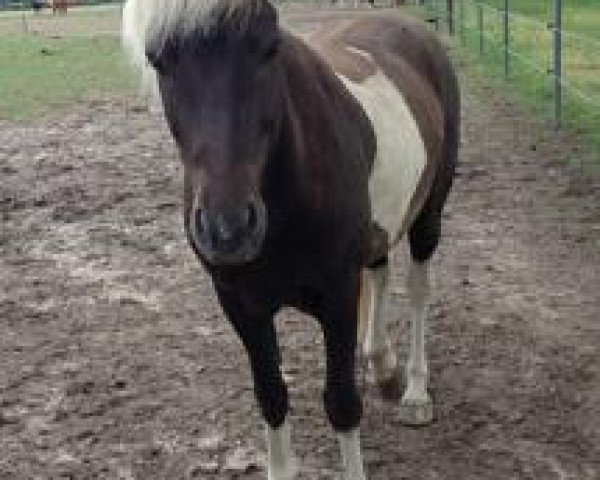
[150, 23]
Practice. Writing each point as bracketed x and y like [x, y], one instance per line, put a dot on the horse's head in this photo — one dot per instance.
[220, 90]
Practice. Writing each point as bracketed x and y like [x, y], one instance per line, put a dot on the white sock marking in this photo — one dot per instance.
[378, 346]
[351, 455]
[416, 368]
[282, 463]
[401, 154]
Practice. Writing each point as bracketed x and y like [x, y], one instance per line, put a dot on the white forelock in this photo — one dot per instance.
[152, 22]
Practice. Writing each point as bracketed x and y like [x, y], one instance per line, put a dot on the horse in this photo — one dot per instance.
[60, 6]
[37, 5]
[305, 162]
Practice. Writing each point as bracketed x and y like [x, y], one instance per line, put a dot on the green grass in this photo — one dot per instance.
[531, 43]
[60, 62]
[38, 75]
[581, 16]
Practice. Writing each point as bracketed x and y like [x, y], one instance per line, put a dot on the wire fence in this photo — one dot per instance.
[80, 22]
[556, 69]
[41, 4]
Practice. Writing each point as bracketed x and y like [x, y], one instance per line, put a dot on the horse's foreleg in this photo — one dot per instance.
[351, 455]
[377, 345]
[282, 463]
[272, 395]
[416, 408]
[342, 400]
[257, 333]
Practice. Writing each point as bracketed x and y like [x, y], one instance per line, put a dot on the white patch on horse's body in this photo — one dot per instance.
[360, 52]
[401, 154]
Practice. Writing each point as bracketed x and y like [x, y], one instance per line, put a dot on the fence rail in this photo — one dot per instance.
[28, 4]
[557, 69]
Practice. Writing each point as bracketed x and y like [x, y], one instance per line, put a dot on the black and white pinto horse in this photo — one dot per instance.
[305, 162]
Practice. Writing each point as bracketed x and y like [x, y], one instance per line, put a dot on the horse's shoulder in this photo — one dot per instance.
[396, 48]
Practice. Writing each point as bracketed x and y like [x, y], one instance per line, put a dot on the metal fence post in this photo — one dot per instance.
[558, 20]
[450, 16]
[506, 39]
[480, 26]
[24, 22]
[461, 21]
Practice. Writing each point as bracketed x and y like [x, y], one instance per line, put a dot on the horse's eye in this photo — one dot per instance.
[267, 124]
[272, 50]
[264, 50]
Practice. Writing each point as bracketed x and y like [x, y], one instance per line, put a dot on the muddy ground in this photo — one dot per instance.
[116, 361]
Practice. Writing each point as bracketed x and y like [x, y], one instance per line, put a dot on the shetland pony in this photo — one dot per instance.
[60, 6]
[37, 5]
[305, 163]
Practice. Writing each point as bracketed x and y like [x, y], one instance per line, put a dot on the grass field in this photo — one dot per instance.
[48, 62]
[582, 16]
[531, 58]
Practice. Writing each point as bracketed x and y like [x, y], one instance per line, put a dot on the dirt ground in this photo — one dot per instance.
[117, 362]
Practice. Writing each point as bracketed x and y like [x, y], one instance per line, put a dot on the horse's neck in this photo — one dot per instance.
[326, 134]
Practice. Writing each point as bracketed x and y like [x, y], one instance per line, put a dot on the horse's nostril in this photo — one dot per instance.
[251, 216]
[226, 230]
[201, 220]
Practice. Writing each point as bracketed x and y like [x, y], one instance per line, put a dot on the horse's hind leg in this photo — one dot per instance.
[416, 408]
[375, 316]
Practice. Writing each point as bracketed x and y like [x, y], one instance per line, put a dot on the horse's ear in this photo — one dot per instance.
[272, 12]
[266, 36]
[268, 18]
[272, 49]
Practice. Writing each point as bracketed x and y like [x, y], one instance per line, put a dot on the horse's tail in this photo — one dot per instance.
[451, 103]
[449, 92]
[425, 232]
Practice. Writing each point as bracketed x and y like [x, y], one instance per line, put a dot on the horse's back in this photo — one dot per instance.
[400, 73]
[404, 38]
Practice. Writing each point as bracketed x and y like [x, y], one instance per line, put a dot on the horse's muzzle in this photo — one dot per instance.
[229, 237]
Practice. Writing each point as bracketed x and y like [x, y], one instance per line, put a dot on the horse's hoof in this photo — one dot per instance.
[282, 476]
[287, 472]
[385, 374]
[390, 389]
[416, 413]
[353, 477]
[277, 476]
